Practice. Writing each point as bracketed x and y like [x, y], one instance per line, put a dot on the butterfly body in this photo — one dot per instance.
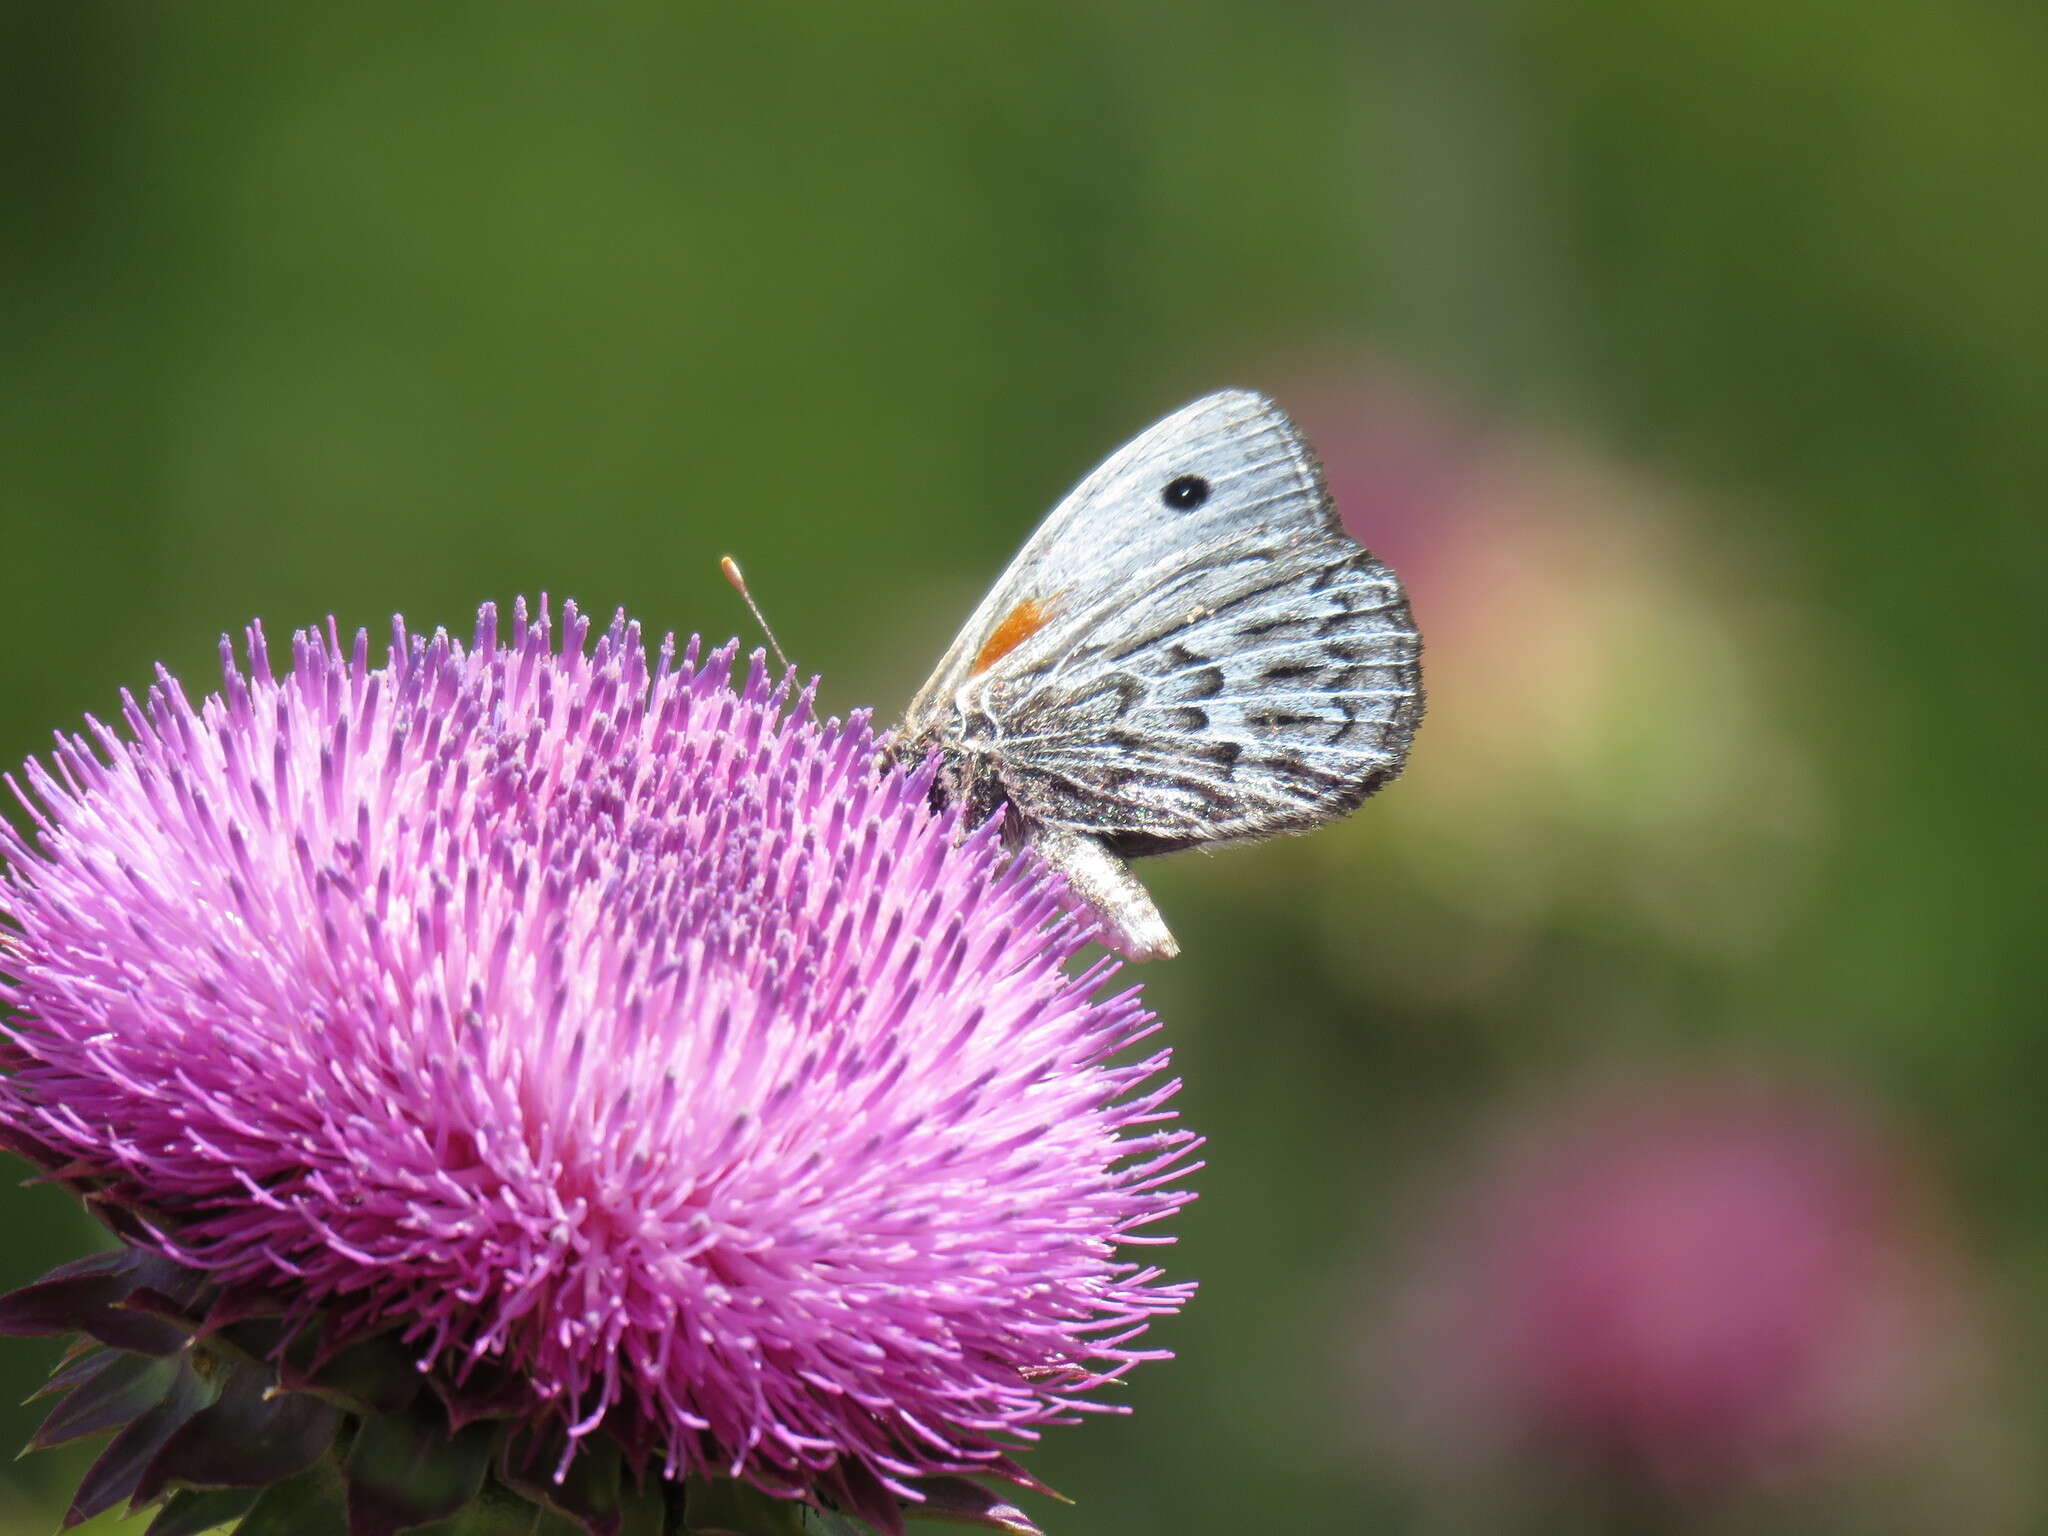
[1190, 650]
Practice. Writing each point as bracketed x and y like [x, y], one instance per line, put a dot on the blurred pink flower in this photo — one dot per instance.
[1697, 1286]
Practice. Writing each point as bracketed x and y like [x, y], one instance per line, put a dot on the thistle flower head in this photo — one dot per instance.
[621, 1042]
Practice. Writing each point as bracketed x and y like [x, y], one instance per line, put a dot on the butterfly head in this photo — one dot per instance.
[964, 773]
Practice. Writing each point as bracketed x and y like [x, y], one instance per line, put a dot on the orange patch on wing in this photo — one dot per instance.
[1019, 625]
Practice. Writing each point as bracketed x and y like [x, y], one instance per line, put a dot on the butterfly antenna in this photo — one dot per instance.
[731, 567]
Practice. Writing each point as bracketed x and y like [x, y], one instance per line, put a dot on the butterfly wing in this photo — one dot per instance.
[1190, 649]
[1289, 699]
[1100, 537]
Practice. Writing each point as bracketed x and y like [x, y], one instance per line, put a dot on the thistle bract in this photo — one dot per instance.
[664, 1085]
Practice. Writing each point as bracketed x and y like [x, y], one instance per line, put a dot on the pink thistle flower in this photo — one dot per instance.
[1700, 1288]
[627, 1044]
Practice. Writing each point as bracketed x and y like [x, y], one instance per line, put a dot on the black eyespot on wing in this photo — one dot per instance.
[1184, 493]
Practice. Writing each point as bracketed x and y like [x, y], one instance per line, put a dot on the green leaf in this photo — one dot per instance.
[728, 1507]
[496, 1511]
[596, 1496]
[197, 1510]
[311, 1504]
[645, 1509]
[405, 1470]
[376, 1375]
[589, 1492]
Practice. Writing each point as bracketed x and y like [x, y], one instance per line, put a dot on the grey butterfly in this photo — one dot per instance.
[1190, 650]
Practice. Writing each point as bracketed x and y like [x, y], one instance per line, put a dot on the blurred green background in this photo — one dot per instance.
[1690, 358]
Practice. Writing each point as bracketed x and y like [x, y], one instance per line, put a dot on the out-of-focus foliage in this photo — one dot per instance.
[1692, 358]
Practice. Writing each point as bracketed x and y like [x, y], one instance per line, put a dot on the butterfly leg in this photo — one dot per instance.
[1131, 924]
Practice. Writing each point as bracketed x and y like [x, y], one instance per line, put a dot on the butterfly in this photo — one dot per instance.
[1190, 650]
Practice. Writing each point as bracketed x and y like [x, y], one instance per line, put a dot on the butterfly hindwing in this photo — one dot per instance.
[1265, 690]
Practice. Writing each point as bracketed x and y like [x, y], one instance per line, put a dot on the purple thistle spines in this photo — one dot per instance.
[611, 1026]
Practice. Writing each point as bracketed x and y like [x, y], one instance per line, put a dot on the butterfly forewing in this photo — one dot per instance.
[1112, 535]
